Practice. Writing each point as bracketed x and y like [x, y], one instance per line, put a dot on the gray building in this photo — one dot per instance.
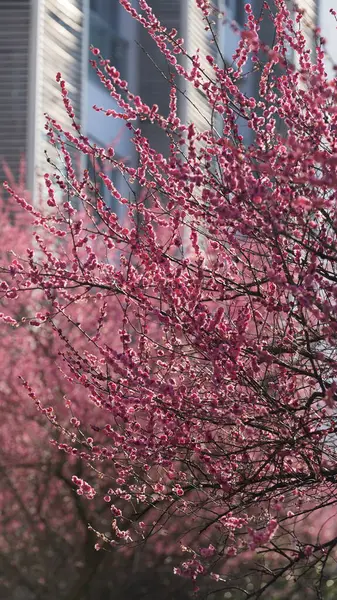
[35, 36]
[40, 37]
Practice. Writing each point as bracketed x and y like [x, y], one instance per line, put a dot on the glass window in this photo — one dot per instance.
[239, 14]
[237, 8]
[104, 34]
[106, 10]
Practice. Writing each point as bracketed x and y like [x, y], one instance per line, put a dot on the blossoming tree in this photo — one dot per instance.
[211, 392]
[47, 544]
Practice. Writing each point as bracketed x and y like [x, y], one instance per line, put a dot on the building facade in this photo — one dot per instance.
[40, 37]
[16, 85]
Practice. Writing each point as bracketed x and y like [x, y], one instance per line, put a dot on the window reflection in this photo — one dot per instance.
[104, 33]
